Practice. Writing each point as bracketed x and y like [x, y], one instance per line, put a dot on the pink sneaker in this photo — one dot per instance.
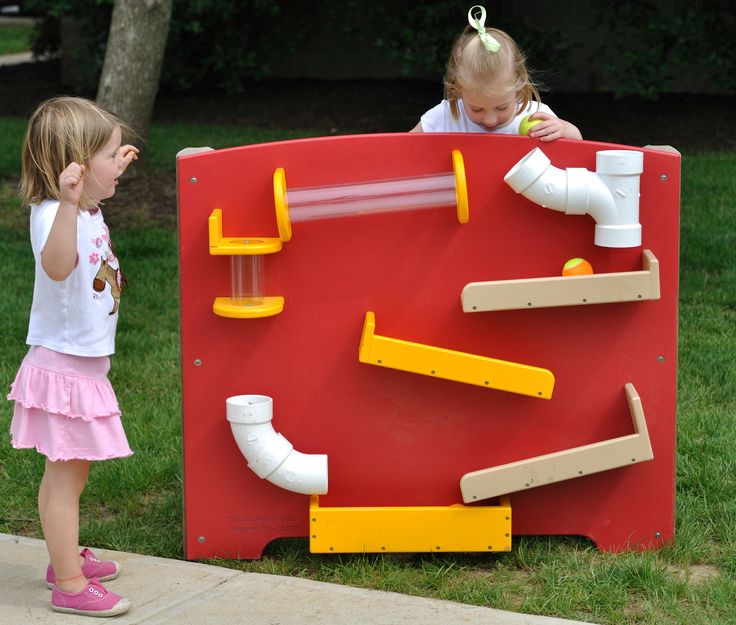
[103, 570]
[93, 600]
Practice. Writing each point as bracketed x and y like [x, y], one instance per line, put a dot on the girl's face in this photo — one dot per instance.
[103, 170]
[489, 112]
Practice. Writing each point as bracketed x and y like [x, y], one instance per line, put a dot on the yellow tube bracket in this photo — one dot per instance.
[461, 187]
[443, 363]
[281, 203]
[236, 246]
[237, 307]
[409, 529]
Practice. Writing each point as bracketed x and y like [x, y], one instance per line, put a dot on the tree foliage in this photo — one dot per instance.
[655, 45]
[643, 46]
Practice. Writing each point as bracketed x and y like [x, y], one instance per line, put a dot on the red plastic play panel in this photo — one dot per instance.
[395, 438]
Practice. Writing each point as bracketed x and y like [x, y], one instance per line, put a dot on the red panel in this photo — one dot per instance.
[396, 438]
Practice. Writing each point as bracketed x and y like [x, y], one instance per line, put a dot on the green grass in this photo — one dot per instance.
[135, 504]
[167, 139]
[163, 144]
[15, 38]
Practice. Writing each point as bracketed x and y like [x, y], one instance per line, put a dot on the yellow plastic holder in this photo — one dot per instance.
[248, 307]
[243, 303]
[438, 362]
[409, 529]
[281, 203]
[237, 246]
[461, 187]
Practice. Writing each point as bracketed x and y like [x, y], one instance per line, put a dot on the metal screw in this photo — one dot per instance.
[193, 180]
[197, 362]
[663, 177]
[201, 539]
[658, 535]
[660, 358]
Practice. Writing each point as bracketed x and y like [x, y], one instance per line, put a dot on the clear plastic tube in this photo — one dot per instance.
[383, 196]
[246, 280]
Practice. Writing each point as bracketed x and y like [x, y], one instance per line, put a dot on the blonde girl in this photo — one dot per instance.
[488, 88]
[65, 407]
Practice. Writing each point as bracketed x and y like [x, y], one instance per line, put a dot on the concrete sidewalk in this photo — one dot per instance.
[173, 592]
[16, 59]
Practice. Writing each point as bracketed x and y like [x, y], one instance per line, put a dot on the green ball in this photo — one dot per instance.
[527, 124]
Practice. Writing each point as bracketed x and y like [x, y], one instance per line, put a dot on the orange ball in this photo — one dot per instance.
[577, 267]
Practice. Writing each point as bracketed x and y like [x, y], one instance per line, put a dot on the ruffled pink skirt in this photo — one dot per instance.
[65, 407]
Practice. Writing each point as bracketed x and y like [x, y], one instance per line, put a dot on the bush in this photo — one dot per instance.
[654, 46]
[651, 46]
[211, 42]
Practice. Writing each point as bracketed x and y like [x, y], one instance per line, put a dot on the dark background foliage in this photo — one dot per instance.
[638, 47]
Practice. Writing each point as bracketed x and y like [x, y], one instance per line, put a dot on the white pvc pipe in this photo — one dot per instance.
[610, 195]
[620, 172]
[270, 456]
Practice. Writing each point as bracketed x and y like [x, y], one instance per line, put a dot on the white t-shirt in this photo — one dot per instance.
[440, 119]
[77, 315]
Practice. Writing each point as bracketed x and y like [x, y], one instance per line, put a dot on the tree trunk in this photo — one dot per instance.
[132, 67]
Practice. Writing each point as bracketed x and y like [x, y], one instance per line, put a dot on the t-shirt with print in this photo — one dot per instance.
[77, 315]
[440, 119]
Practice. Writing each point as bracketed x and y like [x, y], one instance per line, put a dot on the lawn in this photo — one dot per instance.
[15, 38]
[135, 504]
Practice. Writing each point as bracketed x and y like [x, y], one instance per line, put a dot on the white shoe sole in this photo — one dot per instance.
[120, 607]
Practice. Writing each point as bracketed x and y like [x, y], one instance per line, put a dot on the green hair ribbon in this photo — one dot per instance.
[478, 22]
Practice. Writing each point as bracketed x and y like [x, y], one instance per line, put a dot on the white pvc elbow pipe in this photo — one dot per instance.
[270, 456]
[610, 195]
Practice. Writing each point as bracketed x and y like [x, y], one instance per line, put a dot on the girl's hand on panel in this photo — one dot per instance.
[71, 184]
[553, 128]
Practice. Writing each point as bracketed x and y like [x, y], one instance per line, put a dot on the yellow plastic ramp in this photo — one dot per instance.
[443, 363]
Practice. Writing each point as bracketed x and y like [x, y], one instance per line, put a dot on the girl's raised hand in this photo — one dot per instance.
[126, 155]
[71, 184]
[552, 128]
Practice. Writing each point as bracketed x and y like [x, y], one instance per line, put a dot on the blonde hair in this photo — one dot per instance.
[472, 66]
[61, 131]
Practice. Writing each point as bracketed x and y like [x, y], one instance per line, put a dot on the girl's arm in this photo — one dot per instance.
[417, 128]
[59, 254]
[553, 128]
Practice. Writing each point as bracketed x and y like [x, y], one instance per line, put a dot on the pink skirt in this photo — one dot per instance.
[65, 407]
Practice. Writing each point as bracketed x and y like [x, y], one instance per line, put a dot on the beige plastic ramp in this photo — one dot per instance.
[564, 465]
[601, 288]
